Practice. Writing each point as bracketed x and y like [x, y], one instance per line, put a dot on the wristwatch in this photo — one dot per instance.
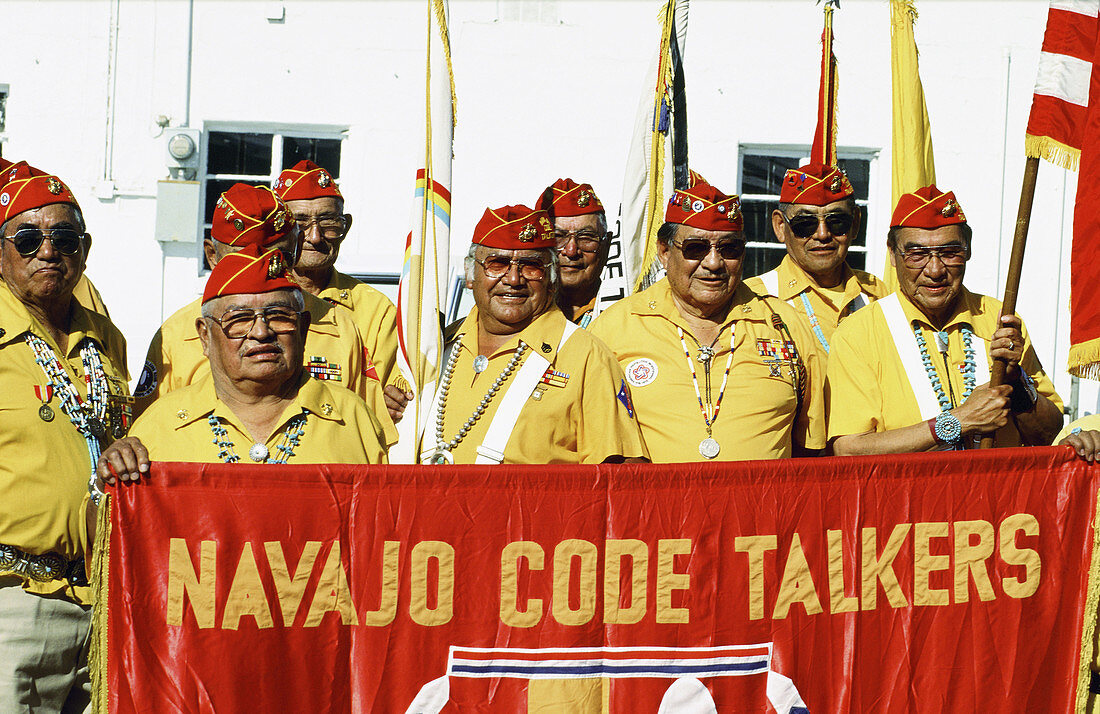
[948, 428]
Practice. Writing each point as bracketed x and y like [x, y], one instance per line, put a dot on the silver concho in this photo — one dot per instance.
[441, 457]
[98, 429]
[709, 448]
[258, 453]
[481, 362]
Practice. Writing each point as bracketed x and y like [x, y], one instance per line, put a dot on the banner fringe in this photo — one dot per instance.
[97, 654]
[1088, 617]
[1054, 151]
[1084, 360]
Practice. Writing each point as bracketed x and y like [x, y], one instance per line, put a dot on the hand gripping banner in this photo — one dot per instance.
[924, 583]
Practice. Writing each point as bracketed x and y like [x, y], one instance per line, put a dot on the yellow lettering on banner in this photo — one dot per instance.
[1010, 554]
[333, 593]
[668, 580]
[444, 555]
[246, 594]
[756, 546]
[970, 559]
[510, 614]
[924, 564]
[183, 582]
[290, 590]
[614, 553]
[387, 599]
[838, 602]
[880, 569]
[564, 554]
[587, 695]
[797, 584]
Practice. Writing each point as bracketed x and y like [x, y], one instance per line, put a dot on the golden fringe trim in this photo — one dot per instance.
[97, 655]
[1088, 629]
[441, 19]
[905, 12]
[1054, 151]
[1084, 359]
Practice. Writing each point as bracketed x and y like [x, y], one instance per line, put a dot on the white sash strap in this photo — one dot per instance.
[981, 360]
[515, 397]
[902, 332]
[771, 282]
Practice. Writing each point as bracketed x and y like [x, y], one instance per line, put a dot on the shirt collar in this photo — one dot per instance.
[313, 396]
[793, 280]
[16, 320]
[339, 289]
[657, 300]
[542, 335]
[967, 307]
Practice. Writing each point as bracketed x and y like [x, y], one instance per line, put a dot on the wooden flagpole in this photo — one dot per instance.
[1015, 268]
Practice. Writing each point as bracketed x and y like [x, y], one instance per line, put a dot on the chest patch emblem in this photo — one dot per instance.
[641, 372]
[321, 368]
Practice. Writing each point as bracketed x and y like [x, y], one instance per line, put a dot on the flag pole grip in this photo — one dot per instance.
[1015, 268]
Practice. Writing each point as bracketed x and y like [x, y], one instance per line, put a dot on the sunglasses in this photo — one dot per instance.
[27, 241]
[805, 225]
[697, 248]
[495, 266]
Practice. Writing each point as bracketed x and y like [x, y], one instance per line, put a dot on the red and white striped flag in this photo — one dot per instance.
[1064, 128]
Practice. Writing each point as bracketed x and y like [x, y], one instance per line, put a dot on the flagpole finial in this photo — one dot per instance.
[830, 3]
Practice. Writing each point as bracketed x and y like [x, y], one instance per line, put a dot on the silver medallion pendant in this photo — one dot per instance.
[442, 457]
[481, 362]
[709, 448]
[45, 413]
[258, 453]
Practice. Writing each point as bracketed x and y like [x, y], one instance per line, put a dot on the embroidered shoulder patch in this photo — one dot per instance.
[147, 383]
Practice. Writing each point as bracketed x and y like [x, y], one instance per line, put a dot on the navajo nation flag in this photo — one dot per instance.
[947, 582]
[1064, 128]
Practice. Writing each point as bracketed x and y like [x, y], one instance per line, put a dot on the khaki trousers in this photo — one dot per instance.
[43, 652]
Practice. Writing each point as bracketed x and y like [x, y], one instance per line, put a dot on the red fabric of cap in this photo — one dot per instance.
[514, 228]
[927, 208]
[4, 163]
[573, 199]
[815, 185]
[25, 188]
[705, 207]
[305, 181]
[247, 273]
[250, 215]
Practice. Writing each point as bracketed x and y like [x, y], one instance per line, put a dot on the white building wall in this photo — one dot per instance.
[545, 89]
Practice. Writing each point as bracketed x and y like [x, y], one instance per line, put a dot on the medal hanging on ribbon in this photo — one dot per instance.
[44, 392]
[709, 447]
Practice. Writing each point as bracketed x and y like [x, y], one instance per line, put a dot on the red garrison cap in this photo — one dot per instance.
[305, 181]
[572, 199]
[703, 206]
[927, 208]
[815, 184]
[250, 215]
[514, 228]
[25, 188]
[247, 272]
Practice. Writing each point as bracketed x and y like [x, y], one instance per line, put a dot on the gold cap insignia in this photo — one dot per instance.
[53, 185]
[949, 209]
[323, 180]
[276, 267]
[528, 233]
[280, 220]
[326, 409]
[836, 184]
[238, 224]
[545, 223]
[584, 198]
[343, 294]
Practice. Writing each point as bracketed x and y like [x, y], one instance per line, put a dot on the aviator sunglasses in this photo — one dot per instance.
[697, 248]
[805, 225]
[27, 241]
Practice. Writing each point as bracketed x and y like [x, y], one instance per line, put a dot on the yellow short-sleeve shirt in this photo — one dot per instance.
[339, 428]
[829, 307]
[1089, 422]
[867, 388]
[579, 413]
[333, 353]
[45, 464]
[376, 318]
[766, 408]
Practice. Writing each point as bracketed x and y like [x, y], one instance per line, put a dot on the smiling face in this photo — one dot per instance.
[323, 225]
[704, 287]
[510, 302]
[933, 287]
[579, 269]
[261, 356]
[45, 279]
[822, 253]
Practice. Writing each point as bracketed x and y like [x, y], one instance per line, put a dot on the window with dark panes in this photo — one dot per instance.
[258, 157]
[762, 170]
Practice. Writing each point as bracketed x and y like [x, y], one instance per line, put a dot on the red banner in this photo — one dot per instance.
[943, 582]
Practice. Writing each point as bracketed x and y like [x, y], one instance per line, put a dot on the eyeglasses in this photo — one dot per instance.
[331, 226]
[496, 266]
[236, 324]
[27, 241]
[805, 225]
[587, 241]
[697, 248]
[950, 255]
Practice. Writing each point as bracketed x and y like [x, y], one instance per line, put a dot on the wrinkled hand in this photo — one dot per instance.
[1085, 443]
[124, 460]
[396, 401]
[1008, 344]
[985, 411]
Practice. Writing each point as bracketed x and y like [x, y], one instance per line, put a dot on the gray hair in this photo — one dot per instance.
[295, 294]
[550, 253]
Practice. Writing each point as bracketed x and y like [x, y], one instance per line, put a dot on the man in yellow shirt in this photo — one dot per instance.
[255, 216]
[256, 404]
[816, 220]
[580, 229]
[315, 200]
[717, 371]
[911, 372]
[521, 384]
[64, 380]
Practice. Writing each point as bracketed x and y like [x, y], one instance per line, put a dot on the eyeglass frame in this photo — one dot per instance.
[512, 260]
[932, 251]
[714, 248]
[304, 225]
[820, 218]
[573, 235]
[47, 234]
[258, 314]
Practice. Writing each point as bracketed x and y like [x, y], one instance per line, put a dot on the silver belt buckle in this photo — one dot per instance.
[42, 568]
